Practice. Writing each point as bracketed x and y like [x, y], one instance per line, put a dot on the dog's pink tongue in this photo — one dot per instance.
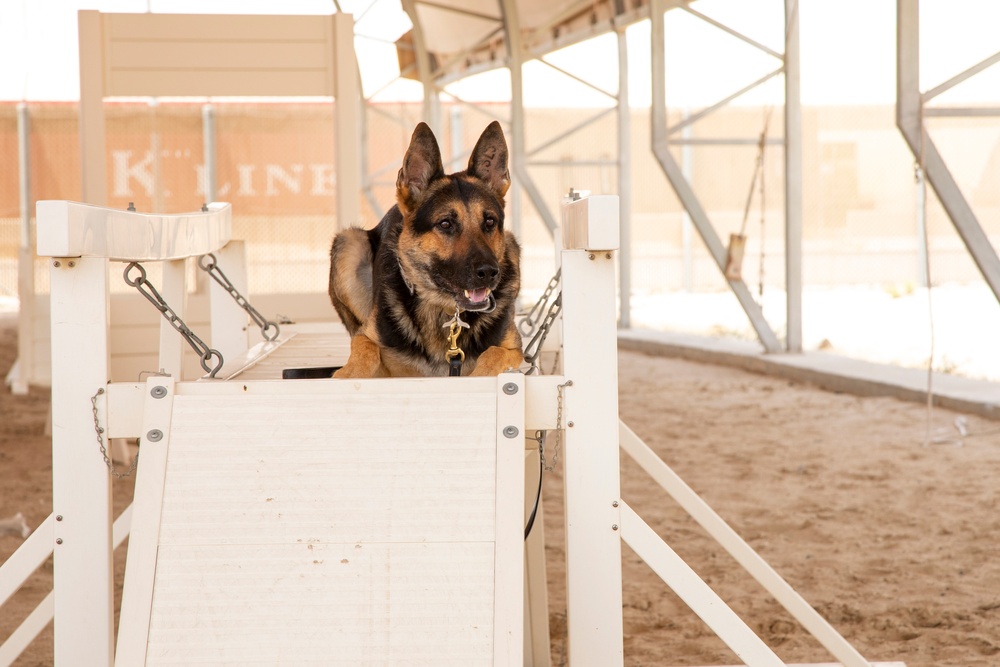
[478, 295]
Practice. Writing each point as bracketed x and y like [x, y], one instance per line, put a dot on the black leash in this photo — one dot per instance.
[538, 497]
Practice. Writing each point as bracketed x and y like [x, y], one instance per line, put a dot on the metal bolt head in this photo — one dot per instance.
[58, 540]
[510, 431]
[614, 526]
[510, 389]
[57, 263]
[58, 517]
[72, 264]
[591, 256]
[569, 424]
[159, 391]
[154, 435]
[614, 504]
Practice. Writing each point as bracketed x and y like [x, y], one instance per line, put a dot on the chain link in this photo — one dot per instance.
[209, 265]
[100, 441]
[528, 324]
[541, 437]
[534, 347]
[148, 290]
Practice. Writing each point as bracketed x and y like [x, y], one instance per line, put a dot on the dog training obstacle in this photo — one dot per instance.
[367, 522]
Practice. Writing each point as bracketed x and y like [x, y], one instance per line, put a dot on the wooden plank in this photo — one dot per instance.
[695, 593]
[508, 605]
[214, 57]
[242, 468]
[324, 603]
[742, 552]
[220, 55]
[364, 503]
[170, 357]
[137, 593]
[34, 551]
[220, 28]
[71, 229]
[81, 484]
[253, 83]
[229, 321]
[93, 167]
[590, 460]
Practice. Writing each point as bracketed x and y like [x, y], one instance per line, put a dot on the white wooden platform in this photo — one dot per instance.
[311, 521]
[299, 346]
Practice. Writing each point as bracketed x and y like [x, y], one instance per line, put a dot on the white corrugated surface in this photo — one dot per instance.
[314, 522]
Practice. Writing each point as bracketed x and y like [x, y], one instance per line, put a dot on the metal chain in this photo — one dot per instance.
[559, 432]
[209, 265]
[528, 324]
[148, 290]
[534, 347]
[100, 441]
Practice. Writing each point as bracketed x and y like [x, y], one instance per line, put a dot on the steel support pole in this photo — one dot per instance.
[624, 186]
[518, 156]
[793, 181]
[674, 174]
[431, 103]
[909, 119]
[25, 369]
[210, 155]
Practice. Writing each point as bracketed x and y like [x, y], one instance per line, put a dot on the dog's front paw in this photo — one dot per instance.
[352, 371]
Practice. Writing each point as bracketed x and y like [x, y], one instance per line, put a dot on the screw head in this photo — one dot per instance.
[57, 263]
[154, 435]
[58, 540]
[510, 389]
[510, 431]
[569, 424]
[58, 517]
[591, 256]
[614, 526]
[159, 391]
[614, 504]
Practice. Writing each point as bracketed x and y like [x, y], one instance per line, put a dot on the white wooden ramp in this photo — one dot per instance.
[327, 522]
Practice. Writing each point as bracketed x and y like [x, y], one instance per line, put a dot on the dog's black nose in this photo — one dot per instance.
[487, 271]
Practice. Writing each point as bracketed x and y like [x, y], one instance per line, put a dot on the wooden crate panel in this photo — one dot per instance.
[336, 468]
[329, 604]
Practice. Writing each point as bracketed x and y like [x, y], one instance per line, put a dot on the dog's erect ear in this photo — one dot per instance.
[489, 160]
[421, 166]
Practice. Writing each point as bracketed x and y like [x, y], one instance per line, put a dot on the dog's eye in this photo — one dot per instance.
[445, 224]
[490, 222]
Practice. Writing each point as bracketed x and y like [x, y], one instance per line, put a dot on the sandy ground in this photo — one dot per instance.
[893, 540]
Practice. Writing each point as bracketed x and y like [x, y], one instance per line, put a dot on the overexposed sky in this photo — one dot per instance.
[848, 51]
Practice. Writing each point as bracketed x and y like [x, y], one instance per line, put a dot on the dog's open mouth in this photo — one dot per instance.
[476, 300]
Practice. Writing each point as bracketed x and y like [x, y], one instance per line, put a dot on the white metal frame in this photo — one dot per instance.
[583, 397]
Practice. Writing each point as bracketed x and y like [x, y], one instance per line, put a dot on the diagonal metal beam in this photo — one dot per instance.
[694, 118]
[909, 120]
[959, 78]
[738, 35]
[680, 184]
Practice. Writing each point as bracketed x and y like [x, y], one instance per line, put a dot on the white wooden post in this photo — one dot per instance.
[81, 482]
[590, 420]
[229, 320]
[174, 292]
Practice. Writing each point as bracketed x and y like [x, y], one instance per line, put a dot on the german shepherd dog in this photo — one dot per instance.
[439, 262]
